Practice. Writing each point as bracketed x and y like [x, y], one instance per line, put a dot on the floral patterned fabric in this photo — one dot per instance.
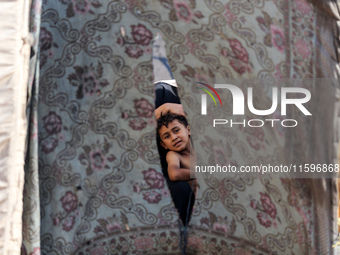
[100, 182]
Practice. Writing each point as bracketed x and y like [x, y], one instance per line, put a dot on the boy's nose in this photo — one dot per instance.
[173, 137]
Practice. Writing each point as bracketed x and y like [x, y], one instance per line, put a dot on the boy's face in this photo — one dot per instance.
[175, 137]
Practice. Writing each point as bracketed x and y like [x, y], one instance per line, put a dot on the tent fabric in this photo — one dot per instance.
[31, 215]
[100, 182]
[13, 87]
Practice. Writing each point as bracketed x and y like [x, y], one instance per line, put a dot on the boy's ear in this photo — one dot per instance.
[188, 127]
[163, 145]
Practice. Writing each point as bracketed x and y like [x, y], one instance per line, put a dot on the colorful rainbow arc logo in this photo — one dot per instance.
[207, 91]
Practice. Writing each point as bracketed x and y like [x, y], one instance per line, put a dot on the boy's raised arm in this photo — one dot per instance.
[174, 171]
[169, 107]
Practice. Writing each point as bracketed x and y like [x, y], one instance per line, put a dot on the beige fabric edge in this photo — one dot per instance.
[14, 52]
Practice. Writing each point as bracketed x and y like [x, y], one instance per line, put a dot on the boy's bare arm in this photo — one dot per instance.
[174, 171]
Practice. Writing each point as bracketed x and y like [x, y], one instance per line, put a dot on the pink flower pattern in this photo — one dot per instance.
[253, 204]
[97, 160]
[268, 205]
[183, 11]
[141, 35]
[237, 66]
[113, 226]
[81, 6]
[45, 39]
[68, 223]
[137, 124]
[134, 51]
[154, 179]
[69, 202]
[264, 219]
[239, 51]
[120, 41]
[90, 83]
[56, 221]
[224, 52]
[230, 16]
[88, 79]
[220, 227]
[52, 123]
[49, 144]
[266, 211]
[153, 197]
[136, 188]
[143, 108]
[278, 39]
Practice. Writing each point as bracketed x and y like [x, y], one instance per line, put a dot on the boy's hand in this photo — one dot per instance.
[169, 107]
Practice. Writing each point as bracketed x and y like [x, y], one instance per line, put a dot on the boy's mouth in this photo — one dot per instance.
[177, 143]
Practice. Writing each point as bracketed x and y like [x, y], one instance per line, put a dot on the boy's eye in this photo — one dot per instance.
[166, 136]
[176, 130]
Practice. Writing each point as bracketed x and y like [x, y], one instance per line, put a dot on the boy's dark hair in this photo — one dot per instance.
[164, 120]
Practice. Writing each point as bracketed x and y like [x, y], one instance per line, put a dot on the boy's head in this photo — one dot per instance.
[174, 132]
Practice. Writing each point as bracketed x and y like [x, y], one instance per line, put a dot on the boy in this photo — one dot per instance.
[174, 134]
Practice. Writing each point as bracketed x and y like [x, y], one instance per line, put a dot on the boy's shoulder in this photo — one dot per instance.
[172, 154]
